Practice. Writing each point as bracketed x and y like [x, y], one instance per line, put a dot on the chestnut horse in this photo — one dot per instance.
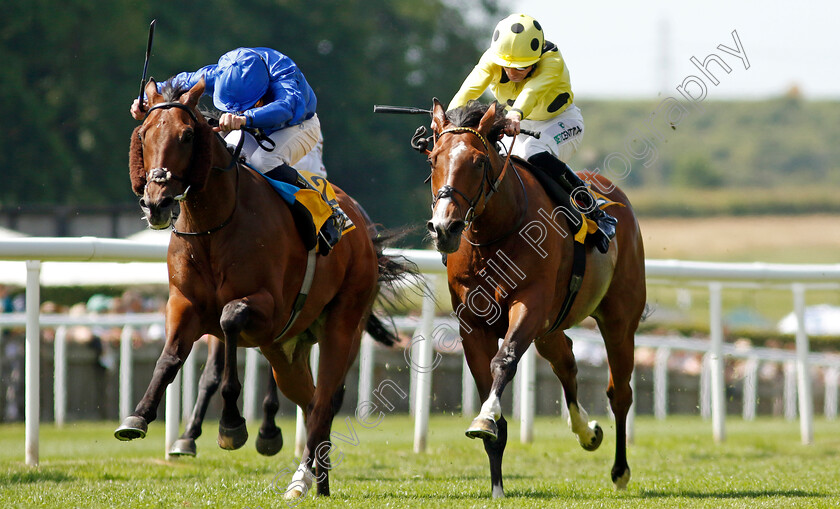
[237, 265]
[509, 272]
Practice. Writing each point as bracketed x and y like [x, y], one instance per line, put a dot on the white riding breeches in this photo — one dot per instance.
[560, 136]
[298, 146]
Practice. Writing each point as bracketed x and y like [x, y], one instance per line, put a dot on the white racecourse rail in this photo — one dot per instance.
[714, 275]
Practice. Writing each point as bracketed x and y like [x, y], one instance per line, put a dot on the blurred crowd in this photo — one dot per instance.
[102, 340]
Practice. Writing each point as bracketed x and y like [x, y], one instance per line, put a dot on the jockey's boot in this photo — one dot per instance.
[284, 173]
[586, 202]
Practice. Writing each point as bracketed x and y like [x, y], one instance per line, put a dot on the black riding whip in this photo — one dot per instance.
[408, 110]
[146, 64]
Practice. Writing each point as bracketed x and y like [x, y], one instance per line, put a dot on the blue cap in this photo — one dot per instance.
[242, 80]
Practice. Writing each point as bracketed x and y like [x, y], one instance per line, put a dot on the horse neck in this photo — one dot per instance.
[214, 203]
[504, 208]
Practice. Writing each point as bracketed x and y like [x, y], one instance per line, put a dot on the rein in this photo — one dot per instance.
[446, 191]
[162, 175]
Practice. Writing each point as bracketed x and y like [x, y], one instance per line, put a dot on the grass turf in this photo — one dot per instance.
[675, 463]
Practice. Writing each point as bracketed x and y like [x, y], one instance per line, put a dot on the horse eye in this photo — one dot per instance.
[187, 136]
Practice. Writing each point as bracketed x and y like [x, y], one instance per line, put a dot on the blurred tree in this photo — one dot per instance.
[71, 68]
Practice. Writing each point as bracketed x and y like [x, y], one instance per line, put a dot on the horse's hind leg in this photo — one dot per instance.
[270, 438]
[208, 384]
[557, 349]
[618, 338]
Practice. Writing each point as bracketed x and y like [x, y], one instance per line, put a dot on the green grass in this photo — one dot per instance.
[675, 463]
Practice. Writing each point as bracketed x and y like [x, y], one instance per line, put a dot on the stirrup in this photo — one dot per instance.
[330, 233]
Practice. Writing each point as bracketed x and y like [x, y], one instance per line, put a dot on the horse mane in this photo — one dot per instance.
[470, 114]
[172, 90]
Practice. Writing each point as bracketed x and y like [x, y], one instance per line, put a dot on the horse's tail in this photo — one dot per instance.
[392, 270]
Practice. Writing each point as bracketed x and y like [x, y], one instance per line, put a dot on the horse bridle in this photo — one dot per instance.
[446, 191]
[163, 175]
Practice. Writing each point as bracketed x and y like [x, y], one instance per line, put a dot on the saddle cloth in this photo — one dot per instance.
[313, 203]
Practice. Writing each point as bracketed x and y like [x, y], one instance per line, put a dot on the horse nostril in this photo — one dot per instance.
[166, 202]
[431, 227]
[143, 203]
[457, 227]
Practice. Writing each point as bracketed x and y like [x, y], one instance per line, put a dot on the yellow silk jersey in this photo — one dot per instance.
[545, 93]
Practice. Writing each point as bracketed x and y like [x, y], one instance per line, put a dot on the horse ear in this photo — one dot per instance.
[438, 116]
[487, 121]
[194, 94]
[152, 95]
[202, 155]
[136, 169]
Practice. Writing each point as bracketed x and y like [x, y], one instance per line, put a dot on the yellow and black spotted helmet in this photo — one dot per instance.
[517, 41]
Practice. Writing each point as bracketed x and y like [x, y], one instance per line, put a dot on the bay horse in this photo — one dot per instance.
[509, 272]
[237, 265]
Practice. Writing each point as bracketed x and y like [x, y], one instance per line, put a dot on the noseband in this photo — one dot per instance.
[446, 191]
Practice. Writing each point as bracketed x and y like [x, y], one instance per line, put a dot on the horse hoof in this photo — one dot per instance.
[294, 493]
[183, 447]
[269, 445]
[483, 428]
[132, 427]
[596, 440]
[622, 480]
[231, 439]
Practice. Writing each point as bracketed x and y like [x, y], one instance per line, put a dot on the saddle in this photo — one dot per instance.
[315, 209]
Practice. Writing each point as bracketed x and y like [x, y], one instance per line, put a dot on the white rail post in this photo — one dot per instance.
[32, 404]
[60, 376]
[188, 371]
[300, 423]
[718, 386]
[706, 386]
[750, 388]
[527, 386]
[425, 349]
[468, 390]
[790, 390]
[249, 400]
[803, 367]
[832, 375]
[366, 364]
[173, 412]
[126, 375]
[660, 382]
[630, 432]
[516, 388]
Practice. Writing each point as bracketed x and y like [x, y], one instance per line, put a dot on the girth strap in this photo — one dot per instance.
[575, 282]
[300, 300]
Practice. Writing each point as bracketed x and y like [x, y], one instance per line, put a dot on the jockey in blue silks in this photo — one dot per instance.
[262, 88]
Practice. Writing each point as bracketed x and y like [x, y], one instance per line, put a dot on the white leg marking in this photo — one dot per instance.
[491, 409]
[580, 424]
[621, 482]
[498, 492]
[301, 482]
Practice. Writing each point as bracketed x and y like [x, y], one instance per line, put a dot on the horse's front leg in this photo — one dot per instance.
[207, 387]
[247, 314]
[182, 330]
[524, 323]
[270, 438]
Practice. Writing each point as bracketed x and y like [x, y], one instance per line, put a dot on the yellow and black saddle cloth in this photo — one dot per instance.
[317, 214]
